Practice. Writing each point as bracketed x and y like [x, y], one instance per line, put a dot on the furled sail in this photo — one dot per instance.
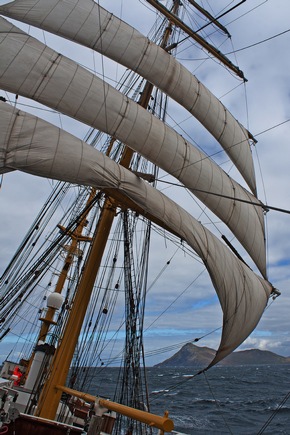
[32, 145]
[85, 22]
[32, 69]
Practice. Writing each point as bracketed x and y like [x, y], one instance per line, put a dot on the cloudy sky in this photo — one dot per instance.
[182, 304]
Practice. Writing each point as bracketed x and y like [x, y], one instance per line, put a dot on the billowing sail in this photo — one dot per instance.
[85, 22]
[32, 145]
[31, 69]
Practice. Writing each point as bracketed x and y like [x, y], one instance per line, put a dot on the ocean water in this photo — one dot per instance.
[244, 400]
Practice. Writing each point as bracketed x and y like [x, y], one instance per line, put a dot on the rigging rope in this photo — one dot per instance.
[216, 402]
[173, 302]
[260, 42]
[284, 400]
[266, 207]
[211, 22]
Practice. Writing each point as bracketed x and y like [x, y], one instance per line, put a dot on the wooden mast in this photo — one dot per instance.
[76, 237]
[51, 393]
[50, 396]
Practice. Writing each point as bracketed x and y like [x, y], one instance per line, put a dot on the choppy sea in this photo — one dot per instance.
[244, 400]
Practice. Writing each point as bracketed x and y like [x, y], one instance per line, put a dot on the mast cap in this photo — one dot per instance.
[55, 300]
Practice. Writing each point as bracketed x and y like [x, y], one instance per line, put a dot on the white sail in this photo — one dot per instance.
[32, 69]
[32, 145]
[85, 22]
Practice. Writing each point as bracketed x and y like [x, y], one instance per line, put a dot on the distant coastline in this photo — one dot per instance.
[191, 355]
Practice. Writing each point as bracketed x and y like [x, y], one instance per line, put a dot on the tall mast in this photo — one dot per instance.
[76, 237]
[50, 396]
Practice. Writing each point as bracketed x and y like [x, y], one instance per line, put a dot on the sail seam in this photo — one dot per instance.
[46, 74]
[7, 140]
[103, 26]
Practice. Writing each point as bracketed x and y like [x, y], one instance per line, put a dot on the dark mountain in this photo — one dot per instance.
[194, 356]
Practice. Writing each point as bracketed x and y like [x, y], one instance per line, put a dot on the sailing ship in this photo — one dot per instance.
[90, 269]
